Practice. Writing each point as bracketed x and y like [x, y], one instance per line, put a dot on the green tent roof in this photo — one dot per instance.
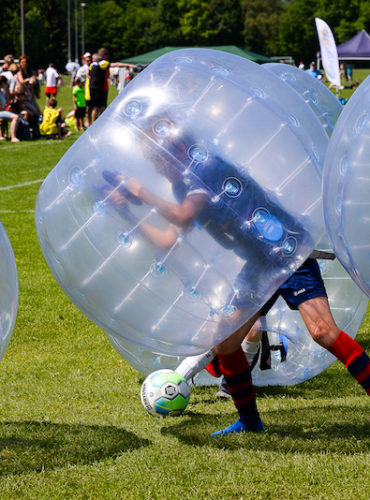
[149, 57]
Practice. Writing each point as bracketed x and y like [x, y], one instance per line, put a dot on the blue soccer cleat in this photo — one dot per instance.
[238, 427]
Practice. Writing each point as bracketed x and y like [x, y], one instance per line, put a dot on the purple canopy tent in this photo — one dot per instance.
[357, 48]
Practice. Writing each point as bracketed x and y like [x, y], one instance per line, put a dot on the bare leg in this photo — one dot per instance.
[321, 325]
[232, 343]
[13, 128]
[319, 321]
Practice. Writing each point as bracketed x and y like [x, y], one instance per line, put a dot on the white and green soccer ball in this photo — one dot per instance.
[165, 392]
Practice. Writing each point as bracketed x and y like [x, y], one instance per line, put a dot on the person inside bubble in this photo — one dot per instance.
[261, 238]
[210, 193]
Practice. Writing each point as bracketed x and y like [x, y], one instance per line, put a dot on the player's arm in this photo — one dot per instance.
[181, 215]
[122, 65]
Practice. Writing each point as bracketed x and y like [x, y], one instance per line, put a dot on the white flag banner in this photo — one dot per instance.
[329, 54]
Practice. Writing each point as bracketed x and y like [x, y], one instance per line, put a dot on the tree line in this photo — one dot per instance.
[130, 27]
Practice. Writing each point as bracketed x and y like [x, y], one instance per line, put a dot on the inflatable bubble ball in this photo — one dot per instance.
[195, 195]
[346, 187]
[316, 95]
[287, 354]
[8, 290]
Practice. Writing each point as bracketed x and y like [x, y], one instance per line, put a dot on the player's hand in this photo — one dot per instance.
[133, 185]
[117, 198]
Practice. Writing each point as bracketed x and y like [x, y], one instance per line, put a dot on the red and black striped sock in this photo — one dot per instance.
[351, 354]
[236, 371]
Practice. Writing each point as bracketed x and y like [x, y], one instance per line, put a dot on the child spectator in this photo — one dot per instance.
[78, 94]
[51, 76]
[53, 124]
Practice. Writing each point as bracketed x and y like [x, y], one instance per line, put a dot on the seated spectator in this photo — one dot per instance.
[25, 72]
[18, 107]
[53, 124]
[10, 75]
[8, 60]
[5, 115]
[29, 106]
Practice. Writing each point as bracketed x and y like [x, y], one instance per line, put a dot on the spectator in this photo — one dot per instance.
[31, 107]
[18, 106]
[79, 102]
[87, 57]
[349, 71]
[72, 68]
[25, 72]
[313, 71]
[51, 82]
[84, 69]
[8, 60]
[99, 74]
[124, 69]
[10, 75]
[53, 124]
[40, 76]
[7, 116]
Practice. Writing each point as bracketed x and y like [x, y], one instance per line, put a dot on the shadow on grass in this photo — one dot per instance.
[306, 430]
[35, 446]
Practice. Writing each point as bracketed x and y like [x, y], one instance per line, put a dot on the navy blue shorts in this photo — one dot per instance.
[306, 283]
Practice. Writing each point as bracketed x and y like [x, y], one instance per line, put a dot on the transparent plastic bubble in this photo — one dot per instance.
[318, 97]
[346, 187]
[229, 143]
[288, 355]
[8, 290]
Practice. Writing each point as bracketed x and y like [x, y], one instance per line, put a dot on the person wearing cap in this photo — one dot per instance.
[313, 71]
[84, 69]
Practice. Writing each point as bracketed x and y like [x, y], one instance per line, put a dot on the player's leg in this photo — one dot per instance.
[237, 374]
[323, 329]
[251, 348]
[192, 365]
[251, 343]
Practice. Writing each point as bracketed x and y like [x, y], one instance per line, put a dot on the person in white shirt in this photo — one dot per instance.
[51, 76]
[84, 69]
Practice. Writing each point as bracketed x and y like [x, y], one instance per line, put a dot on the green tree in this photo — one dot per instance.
[261, 24]
[104, 25]
[37, 38]
[214, 22]
[297, 31]
[10, 29]
[166, 24]
[137, 34]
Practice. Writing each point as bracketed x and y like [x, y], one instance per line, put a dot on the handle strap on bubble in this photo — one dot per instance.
[320, 254]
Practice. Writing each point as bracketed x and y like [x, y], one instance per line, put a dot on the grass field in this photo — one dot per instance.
[72, 424]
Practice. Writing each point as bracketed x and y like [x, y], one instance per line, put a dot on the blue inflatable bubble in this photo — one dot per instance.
[223, 163]
[8, 290]
[346, 187]
[315, 94]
